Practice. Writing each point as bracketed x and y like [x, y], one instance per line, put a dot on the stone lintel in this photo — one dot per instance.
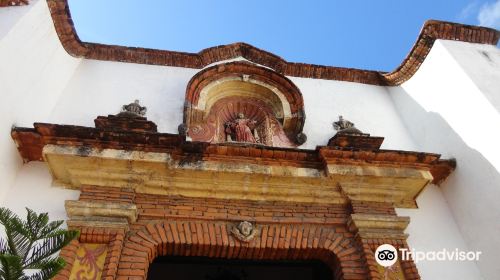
[163, 173]
[78, 222]
[107, 211]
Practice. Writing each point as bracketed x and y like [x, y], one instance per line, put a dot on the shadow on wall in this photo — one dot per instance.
[472, 190]
[10, 161]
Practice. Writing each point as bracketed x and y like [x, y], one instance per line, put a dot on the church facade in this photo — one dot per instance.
[234, 155]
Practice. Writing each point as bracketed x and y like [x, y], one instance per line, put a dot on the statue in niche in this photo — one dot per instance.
[241, 130]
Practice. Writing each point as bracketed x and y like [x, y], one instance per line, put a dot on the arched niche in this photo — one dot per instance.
[217, 97]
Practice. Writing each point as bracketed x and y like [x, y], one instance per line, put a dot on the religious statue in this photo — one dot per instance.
[245, 231]
[133, 110]
[240, 130]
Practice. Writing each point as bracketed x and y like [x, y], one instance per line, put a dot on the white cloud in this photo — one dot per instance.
[489, 15]
[468, 11]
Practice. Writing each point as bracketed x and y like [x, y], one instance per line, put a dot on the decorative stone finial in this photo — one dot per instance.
[182, 129]
[133, 110]
[348, 136]
[245, 231]
[345, 127]
[301, 138]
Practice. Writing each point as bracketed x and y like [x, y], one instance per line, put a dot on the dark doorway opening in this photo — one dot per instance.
[203, 268]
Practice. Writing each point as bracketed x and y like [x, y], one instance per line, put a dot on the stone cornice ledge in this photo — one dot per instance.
[375, 226]
[431, 31]
[100, 214]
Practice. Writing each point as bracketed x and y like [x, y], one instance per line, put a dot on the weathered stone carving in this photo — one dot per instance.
[345, 127]
[301, 138]
[133, 110]
[245, 231]
[182, 129]
[242, 130]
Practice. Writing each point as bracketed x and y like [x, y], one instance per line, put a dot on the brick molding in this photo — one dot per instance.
[431, 31]
[8, 3]
[210, 239]
[184, 226]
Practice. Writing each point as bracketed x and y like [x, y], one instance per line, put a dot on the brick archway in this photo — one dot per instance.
[213, 239]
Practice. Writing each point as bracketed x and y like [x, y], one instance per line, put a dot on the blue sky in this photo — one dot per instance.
[366, 34]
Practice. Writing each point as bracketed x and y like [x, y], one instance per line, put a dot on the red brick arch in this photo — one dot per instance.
[213, 239]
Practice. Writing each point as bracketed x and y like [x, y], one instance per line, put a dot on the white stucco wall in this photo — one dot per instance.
[34, 68]
[10, 16]
[102, 87]
[455, 112]
[369, 107]
[433, 228]
[33, 189]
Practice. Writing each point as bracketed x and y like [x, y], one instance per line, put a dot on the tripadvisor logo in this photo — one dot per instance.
[386, 255]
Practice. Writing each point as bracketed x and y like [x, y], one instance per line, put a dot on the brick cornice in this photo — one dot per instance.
[7, 3]
[431, 31]
[31, 141]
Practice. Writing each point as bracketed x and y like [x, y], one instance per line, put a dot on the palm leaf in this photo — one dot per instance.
[48, 268]
[31, 244]
[4, 248]
[48, 247]
[10, 267]
[17, 236]
[50, 228]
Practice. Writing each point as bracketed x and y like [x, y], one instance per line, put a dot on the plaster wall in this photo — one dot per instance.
[455, 112]
[33, 189]
[433, 228]
[369, 107]
[34, 69]
[10, 16]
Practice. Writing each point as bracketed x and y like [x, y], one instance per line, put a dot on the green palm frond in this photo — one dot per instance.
[31, 244]
[49, 245]
[11, 223]
[48, 268]
[50, 228]
[9, 267]
[4, 248]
